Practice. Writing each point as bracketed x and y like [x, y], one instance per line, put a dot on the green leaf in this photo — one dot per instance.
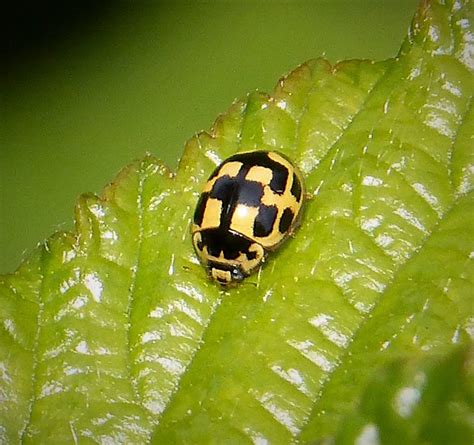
[409, 401]
[114, 334]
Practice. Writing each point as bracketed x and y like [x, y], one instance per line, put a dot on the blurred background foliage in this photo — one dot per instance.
[86, 88]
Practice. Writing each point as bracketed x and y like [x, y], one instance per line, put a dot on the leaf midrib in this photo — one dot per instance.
[35, 353]
[131, 294]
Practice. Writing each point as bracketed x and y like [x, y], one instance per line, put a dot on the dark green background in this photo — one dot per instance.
[84, 92]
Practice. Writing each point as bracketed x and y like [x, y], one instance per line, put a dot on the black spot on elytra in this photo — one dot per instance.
[265, 220]
[201, 206]
[279, 178]
[250, 193]
[261, 158]
[296, 188]
[286, 220]
[225, 189]
[234, 191]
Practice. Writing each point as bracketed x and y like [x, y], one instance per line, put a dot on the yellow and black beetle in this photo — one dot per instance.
[250, 204]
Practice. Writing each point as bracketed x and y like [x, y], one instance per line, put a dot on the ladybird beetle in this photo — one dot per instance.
[250, 204]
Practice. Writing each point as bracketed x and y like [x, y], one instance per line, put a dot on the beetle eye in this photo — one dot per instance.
[237, 275]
